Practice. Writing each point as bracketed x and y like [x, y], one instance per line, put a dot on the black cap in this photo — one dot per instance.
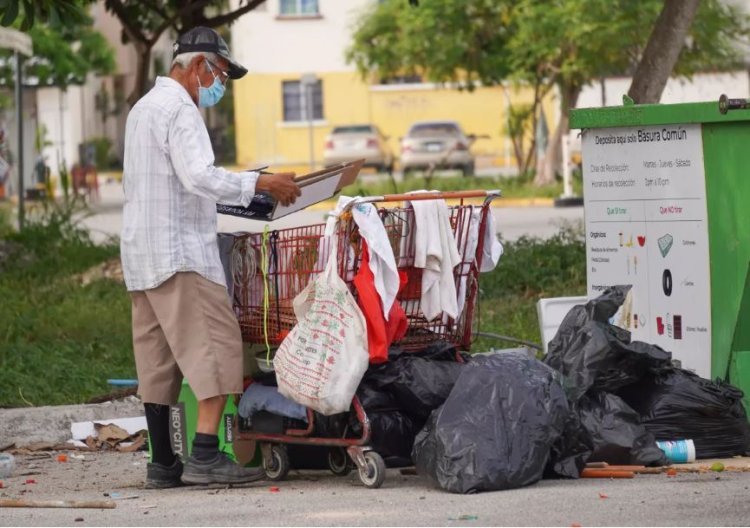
[206, 39]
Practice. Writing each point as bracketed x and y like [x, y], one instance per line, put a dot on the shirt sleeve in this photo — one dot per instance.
[193, 161]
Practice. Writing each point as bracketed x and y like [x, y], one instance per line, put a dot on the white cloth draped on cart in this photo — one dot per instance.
[492, 249]
[436, 252]
[382, 261]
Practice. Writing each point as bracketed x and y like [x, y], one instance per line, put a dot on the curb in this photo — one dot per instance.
[329, 205]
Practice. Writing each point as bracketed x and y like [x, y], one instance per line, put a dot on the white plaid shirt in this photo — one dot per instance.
[171, 190]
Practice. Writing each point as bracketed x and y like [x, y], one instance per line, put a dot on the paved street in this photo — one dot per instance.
[511, 222]
[319, 498]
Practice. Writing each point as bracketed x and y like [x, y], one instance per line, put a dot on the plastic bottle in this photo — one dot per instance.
[7, 465]
[678, 451]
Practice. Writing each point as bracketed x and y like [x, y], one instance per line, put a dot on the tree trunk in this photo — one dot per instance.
[662, 51]
[142, 68]
[553, 153]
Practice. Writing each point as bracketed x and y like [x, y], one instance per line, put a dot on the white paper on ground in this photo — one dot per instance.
[82, 430]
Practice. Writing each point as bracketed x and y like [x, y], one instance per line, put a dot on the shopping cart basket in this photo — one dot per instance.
[270, 269]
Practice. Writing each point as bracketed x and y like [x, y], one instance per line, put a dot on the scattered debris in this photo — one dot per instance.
[30, 481]
[23, 503]
[717, 466]
[671, 472]
[603, 495]
[124, 434]
[464, 518]
[116, 495]
[110, 269]
[606, 473]
[62, 457]
[275, 489]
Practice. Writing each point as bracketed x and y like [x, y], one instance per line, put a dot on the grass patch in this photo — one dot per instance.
[510, 187]
[59, 340]
[529, 270]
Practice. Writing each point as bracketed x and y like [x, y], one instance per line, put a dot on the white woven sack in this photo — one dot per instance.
[321, 362]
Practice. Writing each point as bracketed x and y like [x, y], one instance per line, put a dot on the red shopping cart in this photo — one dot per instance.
[270, 269]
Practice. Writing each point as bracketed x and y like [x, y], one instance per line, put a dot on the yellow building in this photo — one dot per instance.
[283, 40]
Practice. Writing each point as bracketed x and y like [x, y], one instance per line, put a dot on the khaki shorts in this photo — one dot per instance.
[186, 326]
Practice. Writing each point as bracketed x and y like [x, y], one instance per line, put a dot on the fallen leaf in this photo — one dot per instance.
[671, 472]
[717, 466]
[30, 481]
[575, 525]
[603, 496]
[62, 457]
[275, 489]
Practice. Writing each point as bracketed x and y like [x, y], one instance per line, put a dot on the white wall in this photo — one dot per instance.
[702, 87]
[265, 43]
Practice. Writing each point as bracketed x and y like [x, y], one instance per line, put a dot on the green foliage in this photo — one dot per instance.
[63, 54]
[510, 187]
[567, 43]
[446, 40]
[102, 147]
[60, 340]
[529, 270]
[27, 13]
[572, 42]
[6, 222]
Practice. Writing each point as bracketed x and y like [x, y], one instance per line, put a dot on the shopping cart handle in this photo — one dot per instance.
[448, 195]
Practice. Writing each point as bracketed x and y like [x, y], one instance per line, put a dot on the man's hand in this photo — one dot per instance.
[280, 185]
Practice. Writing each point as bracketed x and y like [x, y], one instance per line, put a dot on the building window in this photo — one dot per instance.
[298, 7]
[296, 101]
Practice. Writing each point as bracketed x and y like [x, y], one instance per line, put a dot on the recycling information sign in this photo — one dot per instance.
[646, 225]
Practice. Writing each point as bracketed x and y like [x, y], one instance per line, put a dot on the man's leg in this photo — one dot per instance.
[158, 384]
[206, 441]
[204, 336]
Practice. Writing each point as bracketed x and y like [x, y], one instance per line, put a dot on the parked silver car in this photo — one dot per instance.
[441, 144]
[353, 142]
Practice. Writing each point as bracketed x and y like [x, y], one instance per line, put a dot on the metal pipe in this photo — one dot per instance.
[19, 124]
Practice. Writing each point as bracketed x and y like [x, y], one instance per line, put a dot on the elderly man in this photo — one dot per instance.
[183, 323]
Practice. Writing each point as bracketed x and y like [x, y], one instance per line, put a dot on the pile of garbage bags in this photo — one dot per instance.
[597, 396]
[505, 420]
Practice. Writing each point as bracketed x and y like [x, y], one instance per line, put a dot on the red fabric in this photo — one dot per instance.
[380, 333]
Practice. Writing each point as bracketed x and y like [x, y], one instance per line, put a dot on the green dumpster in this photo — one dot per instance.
[667, 209]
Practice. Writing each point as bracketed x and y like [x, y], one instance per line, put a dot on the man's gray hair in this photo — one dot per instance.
[184, 59]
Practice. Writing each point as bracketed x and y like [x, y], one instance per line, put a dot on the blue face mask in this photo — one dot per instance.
[211, 95]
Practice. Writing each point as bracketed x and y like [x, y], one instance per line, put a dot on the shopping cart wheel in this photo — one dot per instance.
[338, 462]
[372, 474]
[276, 465]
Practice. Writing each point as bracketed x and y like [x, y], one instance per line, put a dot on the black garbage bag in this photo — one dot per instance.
[495, 430]
[675, 404]
[618, 436]
[419, 385]
[399, 395]
[571, 451]
[393, 434]
[593, 354]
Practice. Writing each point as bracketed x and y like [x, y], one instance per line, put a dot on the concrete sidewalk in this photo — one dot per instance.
[317, 498]
[514, 218]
